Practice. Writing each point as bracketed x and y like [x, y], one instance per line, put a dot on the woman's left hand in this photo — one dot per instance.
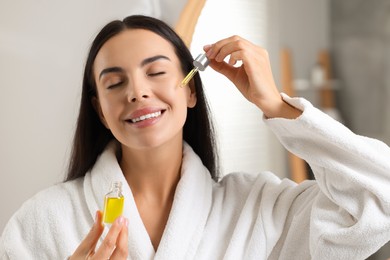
[253, 78]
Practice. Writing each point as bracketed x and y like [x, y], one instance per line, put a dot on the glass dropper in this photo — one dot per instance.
[200, 63]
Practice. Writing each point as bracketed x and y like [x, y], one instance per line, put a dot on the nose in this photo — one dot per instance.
[138, 92]
[135, 98]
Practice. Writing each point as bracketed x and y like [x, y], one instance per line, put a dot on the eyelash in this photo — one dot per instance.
[115, 85]
[156, 74]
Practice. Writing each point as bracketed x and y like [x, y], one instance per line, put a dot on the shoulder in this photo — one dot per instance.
[56, 195]
[38, 220]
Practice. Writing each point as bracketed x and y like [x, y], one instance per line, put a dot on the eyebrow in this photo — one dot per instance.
[143, 63]
[110, 70]
[153, 59]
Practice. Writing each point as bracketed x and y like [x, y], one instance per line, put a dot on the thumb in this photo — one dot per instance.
[87, 246]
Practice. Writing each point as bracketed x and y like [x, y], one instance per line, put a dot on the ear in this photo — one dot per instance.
[98, 110]
[191, 97]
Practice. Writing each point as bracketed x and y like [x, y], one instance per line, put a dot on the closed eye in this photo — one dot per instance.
[115, 85]
[156, 74]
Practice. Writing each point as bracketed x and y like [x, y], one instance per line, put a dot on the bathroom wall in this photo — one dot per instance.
[360, 32]
[304, 29]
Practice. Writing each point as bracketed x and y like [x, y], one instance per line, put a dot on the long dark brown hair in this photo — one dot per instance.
[91, 137]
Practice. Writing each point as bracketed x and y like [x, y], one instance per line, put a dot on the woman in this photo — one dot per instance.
[137, 125]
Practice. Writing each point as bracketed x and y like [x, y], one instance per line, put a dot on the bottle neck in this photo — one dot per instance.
[116, 187]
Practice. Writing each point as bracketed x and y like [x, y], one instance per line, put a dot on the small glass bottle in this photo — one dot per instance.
[113, 203]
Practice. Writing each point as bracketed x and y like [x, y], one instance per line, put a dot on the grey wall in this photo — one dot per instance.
[360, 32]
[304, 28]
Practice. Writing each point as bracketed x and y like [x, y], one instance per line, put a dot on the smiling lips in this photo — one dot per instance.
[147, 116]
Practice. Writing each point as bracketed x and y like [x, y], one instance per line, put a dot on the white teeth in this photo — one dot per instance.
[147, 116]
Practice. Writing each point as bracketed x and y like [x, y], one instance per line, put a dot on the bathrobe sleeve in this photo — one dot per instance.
[347, 210]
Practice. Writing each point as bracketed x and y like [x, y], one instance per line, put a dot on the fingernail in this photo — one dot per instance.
[206, 47]
[120, 220]
[96, 216]
[126, 222]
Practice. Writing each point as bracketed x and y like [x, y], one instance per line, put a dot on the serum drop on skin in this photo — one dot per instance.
[113, 203]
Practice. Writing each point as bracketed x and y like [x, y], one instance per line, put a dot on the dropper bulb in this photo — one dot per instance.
[201, 62]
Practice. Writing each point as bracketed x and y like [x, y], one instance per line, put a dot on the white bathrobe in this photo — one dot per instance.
[344, 214]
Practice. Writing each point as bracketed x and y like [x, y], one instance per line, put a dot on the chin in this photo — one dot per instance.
[154, 143]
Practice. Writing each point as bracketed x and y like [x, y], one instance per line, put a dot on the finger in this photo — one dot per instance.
[207, 47]
[109, 243]
[226, 46]
[88, 245]
[121, 251]
[213, 49]
[232, 60]
[237, 56]
[255, 58]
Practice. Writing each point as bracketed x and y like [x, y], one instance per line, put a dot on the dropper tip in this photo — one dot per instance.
[189, 76]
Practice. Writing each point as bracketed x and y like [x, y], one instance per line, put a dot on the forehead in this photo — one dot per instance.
[134, 45]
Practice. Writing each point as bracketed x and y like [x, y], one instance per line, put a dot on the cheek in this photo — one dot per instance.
[108, 110]
[177, 97]
[169, 90]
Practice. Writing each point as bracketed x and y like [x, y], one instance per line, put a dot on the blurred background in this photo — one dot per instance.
[43, 47]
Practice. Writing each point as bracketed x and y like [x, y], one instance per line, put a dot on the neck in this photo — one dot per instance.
[153, 174]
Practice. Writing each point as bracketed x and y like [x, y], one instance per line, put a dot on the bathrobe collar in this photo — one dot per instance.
[189, 212]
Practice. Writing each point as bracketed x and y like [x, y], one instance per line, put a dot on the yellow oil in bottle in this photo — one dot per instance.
[113, 203]
[113, 208]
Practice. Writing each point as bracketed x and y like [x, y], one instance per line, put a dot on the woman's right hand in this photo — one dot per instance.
[253, 78]
[114, 245]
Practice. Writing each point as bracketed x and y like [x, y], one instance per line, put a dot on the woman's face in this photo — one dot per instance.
[137, 75]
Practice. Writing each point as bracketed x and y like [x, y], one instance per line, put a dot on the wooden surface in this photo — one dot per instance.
[188, 19]
[327, 92]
